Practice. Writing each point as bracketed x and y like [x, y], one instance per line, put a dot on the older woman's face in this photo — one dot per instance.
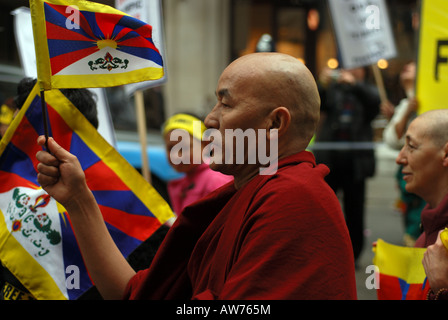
[421, 159]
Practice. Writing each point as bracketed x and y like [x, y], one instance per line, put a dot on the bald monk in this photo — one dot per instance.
[276, 234]
[424, 158]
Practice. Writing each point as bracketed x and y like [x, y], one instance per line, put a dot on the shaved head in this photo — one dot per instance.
[281, 80]
[272, 95]
[436, 125]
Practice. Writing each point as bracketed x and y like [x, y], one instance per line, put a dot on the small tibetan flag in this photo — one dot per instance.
[37, 243]
[401, 272]
[82, 44]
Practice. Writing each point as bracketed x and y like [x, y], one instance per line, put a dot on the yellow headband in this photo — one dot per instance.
[185, 122]
[6, 114]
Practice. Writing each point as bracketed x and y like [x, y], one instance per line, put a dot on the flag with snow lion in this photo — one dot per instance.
[82, 44]
[37, 243]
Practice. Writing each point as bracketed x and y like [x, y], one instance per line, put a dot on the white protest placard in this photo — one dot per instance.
[363, 31]
[150, 12]
[23, 30]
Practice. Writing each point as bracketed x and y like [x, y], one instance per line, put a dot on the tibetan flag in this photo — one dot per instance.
[82, 44]
[37, 243]
[401, 272]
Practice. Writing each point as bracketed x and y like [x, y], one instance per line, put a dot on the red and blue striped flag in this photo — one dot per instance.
[82, 44]
[37, 243]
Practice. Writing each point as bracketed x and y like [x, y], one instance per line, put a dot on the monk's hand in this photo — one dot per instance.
[59, 172]
[435, 263]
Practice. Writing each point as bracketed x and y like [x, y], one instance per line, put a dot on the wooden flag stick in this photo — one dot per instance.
[44, 116]
[141, 126]
[379, 82]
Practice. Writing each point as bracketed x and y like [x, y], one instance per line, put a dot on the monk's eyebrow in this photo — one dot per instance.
[410, 139]
[222, 93]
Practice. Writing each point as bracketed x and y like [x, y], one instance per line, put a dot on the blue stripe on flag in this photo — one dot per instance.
[16, 161]
[129, 35]
[84, 154]
[72, 257]
[56, 18]
[404, 286]
[58, 47]
[125, 243]
[131, 22]
[91, 19]
[125, 201]
[34, 116]
[145, 53]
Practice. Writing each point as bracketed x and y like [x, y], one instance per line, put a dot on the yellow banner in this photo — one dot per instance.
[432, 72]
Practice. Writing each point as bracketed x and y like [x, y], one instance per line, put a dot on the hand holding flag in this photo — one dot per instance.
[39, 253]
[60, 173]
[82, 44]
[435, 263]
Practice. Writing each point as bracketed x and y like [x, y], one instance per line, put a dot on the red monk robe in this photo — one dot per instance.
[280, 236]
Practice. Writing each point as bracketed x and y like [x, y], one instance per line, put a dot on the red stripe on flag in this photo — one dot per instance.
[25, 139]
[55, 32]
[138, 42]
[12, 180]
[139, 227]
[390, 289]
[145, 31]
[417, 292]
[72, 13]
[107, 23]
[109, 180]
[59, 128]
[64, 60]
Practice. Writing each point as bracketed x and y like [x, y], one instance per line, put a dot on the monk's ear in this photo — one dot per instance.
[445, 158]
[280, 120]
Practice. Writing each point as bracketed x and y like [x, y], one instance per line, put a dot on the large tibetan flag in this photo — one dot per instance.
[82, 44]
[37, 243]
[401, 272]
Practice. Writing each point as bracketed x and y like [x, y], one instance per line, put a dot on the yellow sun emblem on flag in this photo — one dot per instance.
[101, 44]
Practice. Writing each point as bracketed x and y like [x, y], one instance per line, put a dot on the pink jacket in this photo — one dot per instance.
[194, 186]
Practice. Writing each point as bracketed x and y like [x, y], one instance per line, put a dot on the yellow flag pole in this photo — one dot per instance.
[141, 126]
